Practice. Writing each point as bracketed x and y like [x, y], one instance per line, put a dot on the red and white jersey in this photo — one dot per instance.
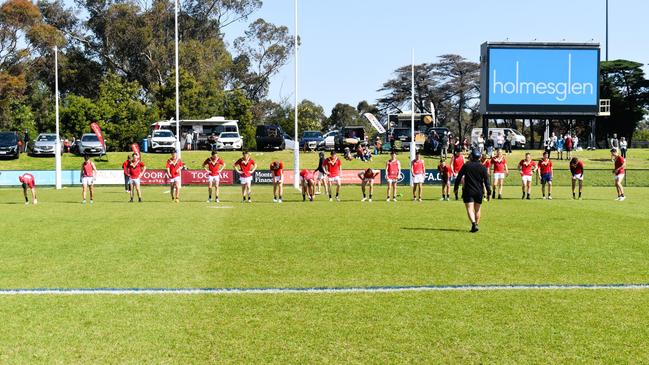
[134, 170]
[545, 166]
[370, 174]
[174, 167]
[486, 163]
[577, 169]
[245, 166]
[526, 167]
[125, 165]
[393, 169]
[306, 175]
[277, 167]
[27, 179]
[499, 165]
[444, 171]
[457, 163]
[619, 162]
[418, 167]
[333, 166]
[87, 169]
[214, 166]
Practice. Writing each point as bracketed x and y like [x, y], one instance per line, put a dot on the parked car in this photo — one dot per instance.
[350, 137]
[288, 142]
[89, 145]
[431, 145]
[162, 140]
[229, 141]
[399, 138]
[328, 142]
[518, 139]
[270, 137]
[310, 140]
[43, 145]
[9, 144]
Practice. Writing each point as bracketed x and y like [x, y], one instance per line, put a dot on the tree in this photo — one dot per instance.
[265, 48]
[459, 82]
[399, 90]
[625, 84]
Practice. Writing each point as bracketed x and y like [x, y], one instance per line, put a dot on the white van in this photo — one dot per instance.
[203, 128]
[518, 139]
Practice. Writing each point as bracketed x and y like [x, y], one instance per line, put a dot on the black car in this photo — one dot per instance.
[349, 137]
[9, 144]
[270, 137]
[433, 143]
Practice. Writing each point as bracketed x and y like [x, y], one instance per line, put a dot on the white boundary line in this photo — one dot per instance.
[315, 290]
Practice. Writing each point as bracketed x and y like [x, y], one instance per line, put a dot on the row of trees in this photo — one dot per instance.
[117, 68]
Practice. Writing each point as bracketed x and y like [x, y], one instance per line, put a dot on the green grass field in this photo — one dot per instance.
[61, 243]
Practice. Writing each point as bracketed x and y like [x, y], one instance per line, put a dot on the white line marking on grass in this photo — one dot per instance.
[316, 290]
[220, 206]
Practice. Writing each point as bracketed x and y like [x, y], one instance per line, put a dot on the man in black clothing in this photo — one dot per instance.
[475, 181]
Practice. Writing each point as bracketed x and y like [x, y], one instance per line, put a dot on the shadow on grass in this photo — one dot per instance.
[434, 229]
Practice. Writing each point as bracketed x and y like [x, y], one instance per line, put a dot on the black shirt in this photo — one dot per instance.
[476, 179]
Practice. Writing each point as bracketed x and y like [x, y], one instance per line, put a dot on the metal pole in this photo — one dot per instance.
[177, 80]
[412, 113]
[606, 30]
[296, 146]
[57, 146]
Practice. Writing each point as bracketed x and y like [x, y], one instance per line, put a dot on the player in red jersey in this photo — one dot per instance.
[245, 166]
[367, 178]
[418, 171]
[445, 175]
[174, 169]
[307, 179]
[527, 168]
[27, 181]
[456, 164]
[392, 173]
[485, 160]
[546, 173]
[332, 167]
[618, 171]
[88, 171]
[277, 169]
[214, 165]
[134, 170]
[500, 171]
[577, 171]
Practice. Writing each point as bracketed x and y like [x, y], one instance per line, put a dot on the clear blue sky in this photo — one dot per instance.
[350, 47]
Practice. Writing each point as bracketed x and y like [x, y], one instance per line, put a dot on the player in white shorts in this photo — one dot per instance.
[174, 169]
[88, 171]
[418, 171]
[214, 166]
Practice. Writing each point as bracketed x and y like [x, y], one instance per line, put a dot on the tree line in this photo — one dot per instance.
[117, 68]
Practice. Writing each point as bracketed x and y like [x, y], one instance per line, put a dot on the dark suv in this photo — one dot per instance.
[9, 144]
[270, 137]
[349, 137]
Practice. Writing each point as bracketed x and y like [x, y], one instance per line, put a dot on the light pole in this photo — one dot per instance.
[57, 146]
[296, 144]
[413, 145]
[177, 81]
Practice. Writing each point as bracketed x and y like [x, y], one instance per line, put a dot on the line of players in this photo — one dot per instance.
[329, 171]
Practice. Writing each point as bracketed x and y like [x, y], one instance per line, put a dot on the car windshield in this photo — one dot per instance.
[401, 133]
[8, 138]
[229, 135]
[312, 135]
[353, 133]
[89, 138]
[163, 134]
[46, 138]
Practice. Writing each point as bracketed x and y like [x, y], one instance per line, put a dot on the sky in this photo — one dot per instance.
[351, 47]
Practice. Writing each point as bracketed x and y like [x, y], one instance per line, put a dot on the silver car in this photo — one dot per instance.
[43, 145]
[90, 145]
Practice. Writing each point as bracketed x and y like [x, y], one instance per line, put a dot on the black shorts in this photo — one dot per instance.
[477, 199]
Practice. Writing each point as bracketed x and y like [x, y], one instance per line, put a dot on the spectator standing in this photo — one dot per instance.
[500, 141]
[508, 143]
[489, 144]
[26, 140]
[575, 140]
[623, 146]
[559, 146]
[568, 145]
[189, 140]
[614, 142]
[445, 145]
